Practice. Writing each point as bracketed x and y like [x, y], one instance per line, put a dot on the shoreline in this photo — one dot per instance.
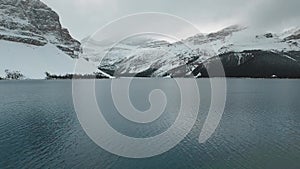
[152, 78]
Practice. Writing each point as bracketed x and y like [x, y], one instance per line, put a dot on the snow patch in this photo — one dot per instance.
[34, 61]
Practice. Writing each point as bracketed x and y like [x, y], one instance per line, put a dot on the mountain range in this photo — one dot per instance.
[242, 53]
[33, 41]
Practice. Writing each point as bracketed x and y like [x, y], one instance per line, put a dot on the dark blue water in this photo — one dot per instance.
[259, 129]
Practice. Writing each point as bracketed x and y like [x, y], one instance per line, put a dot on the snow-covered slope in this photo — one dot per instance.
[154, 57]
[33, 22]
[34, 61]
[33, 41]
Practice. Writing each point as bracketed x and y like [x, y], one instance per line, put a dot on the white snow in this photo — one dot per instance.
[132, 58]
[290, 58]
[34, 61]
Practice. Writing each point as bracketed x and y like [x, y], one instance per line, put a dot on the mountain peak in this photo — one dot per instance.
[33, 22]
[226, 32]
[219, 35]
[234, 28]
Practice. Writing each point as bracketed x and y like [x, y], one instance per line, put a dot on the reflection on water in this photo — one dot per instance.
[259, 129]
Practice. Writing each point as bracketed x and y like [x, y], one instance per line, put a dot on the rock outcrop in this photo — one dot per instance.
[33, 22]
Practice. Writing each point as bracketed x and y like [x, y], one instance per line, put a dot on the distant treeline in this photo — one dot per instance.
[12, 75]
[75, 76]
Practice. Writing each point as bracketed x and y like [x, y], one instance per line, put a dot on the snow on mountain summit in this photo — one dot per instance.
[33, 22]
[42, 44]
[158, 58]
[33, 41]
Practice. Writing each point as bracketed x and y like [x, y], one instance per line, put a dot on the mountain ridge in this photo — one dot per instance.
[184, 56]
[36, 26]
[33, 22]
[33, 41]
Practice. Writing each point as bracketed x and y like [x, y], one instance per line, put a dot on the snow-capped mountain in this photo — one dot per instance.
[33, 22]
[33, 41]
[235, 45]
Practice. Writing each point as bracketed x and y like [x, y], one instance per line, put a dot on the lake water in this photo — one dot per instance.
[260, 127]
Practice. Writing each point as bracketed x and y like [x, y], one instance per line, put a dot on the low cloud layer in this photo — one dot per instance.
[83, 17]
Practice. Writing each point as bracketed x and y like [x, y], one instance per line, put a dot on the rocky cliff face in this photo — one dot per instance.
[33, 22]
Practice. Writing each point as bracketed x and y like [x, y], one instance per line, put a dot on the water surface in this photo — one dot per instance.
[260, 127]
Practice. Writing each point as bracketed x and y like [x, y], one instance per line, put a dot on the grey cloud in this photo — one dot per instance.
[274, 15]
[83, 17]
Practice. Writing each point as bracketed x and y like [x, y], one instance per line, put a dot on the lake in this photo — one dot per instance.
[260, 127]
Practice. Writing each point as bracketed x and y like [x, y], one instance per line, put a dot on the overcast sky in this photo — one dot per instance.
[84, 17]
